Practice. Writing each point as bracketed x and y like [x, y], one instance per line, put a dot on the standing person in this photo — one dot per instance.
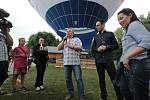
[40, 55]
[30, 59]
[19, 57]
[71, 47]
[135, 42]
[103, 44]
[5, 40]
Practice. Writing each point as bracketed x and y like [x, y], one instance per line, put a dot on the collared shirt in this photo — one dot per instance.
[72, 57]
[136, 36]
[3, 49]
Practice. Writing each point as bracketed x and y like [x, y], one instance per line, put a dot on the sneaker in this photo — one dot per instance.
[68, 97]
[37, 89]
[42, 87]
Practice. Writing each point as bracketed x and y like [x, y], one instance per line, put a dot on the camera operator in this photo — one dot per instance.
[6, 43]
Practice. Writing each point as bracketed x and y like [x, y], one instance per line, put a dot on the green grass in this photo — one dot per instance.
[55, 88]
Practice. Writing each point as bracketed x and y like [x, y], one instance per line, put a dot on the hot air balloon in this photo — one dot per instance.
[81, 15]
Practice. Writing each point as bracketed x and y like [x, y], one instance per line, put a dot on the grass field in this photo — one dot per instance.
[55, 88]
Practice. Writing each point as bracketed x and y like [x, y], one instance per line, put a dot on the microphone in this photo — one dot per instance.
[65, 38]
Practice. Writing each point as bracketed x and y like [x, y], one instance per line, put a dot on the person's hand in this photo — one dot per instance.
[23, 55]
[104, 48]
[70, 46]
[101, 48]
[65, 38]
[126, 63]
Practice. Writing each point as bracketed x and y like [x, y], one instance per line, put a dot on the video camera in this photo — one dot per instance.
[3, 22]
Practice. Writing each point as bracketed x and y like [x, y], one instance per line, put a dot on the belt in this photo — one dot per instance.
[138, 60]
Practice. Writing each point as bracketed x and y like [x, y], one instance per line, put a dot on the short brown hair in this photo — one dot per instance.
[101, 20]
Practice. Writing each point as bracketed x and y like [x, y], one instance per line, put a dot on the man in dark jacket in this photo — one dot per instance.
[103, 44]
[40, 55]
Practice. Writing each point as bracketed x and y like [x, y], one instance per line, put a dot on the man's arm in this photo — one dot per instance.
[94, 48]
[61, 45]
[34, 53]
[9, 40]
[113, 44]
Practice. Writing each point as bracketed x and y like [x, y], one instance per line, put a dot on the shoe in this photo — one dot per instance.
[37, 89]
[42, 87]
[68, 97]
[103, 99]
[2, 92]
[23, 88]
[82, 98]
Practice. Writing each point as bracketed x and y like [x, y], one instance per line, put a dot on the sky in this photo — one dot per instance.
[27, 21]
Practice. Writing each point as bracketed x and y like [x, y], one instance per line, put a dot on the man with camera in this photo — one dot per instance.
[6, 42]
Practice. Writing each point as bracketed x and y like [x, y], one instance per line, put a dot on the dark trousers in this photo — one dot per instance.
[121, 81]
[110, 68]
[124, 88]
[3, 71]
[40, 73]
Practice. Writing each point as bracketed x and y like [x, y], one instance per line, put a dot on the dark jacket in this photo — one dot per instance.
[105, 38]
[40, 56]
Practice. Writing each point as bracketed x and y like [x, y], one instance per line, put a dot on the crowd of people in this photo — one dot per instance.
[19, 57]
[130, 80]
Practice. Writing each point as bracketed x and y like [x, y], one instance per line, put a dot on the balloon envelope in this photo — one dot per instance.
[81, 15]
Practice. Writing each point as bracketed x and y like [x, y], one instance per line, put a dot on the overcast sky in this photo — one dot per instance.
[27, 21]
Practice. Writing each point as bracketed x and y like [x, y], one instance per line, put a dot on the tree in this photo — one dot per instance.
[118, 35]
[146, 22]
[50, 39]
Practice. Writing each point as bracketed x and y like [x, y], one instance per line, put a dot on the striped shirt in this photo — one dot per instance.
[72, 57]
[136, 36]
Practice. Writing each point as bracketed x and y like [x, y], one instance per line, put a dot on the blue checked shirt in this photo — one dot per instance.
[3, 49]
[72, 57]
[136, 36]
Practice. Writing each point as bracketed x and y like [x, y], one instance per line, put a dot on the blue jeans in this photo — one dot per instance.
[78, 76]
[139, 78]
